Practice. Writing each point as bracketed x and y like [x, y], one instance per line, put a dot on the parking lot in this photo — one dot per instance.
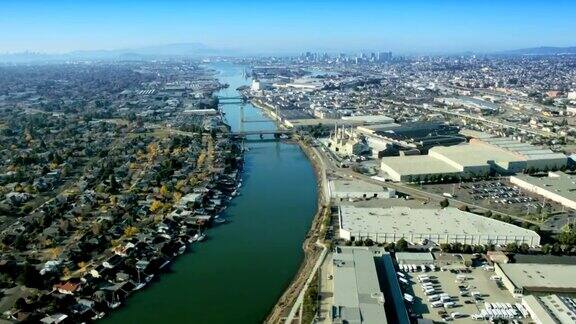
[461, 289]
[503, 196]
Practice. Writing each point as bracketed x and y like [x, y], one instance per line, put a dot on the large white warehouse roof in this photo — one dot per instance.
[446, 225]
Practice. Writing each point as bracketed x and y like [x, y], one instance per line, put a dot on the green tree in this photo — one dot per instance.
[568, 235]
[402, 245]
[444, 203]
[524, 248]
[446, 247]
[512, 247]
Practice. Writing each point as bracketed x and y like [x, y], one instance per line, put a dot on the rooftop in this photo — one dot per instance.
[541, 277]
[559, 183]
[353, 186]
[403, 220]
[357, 294]
[408, 257]
[474, 155]
[418, 164]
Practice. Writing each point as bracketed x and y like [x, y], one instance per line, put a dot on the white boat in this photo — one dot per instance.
[182, 249]
[201, 237]
[195, 237]
[139, 286]
[220, 220]
[114, 305]
[165, 264]
[98, 315]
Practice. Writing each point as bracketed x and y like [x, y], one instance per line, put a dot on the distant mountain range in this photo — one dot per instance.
[169, 50]
[199, 50]
[542, 50]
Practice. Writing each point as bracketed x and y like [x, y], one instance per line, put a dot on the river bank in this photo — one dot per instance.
[312, 251]
[239, 273]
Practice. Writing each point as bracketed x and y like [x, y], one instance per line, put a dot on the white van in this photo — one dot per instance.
[449, 304]
[477, 317]
[457, 315]
[437, 304]
[434, 298]
[409, 298]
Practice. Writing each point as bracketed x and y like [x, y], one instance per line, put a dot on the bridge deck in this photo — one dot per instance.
[261, 132]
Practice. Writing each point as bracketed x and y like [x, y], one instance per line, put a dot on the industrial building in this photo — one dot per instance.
[354, 189]
[347, 142]
[477, 158]
[551, 308]
[448, 225]
[358, 275]
[470, 103]
[526, 278]
[371, 119]
[557, 186]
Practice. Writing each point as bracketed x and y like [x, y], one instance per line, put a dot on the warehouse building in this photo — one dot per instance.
[551, 308]
[355, 189]
[448, 225]
[526, 278]
[357, 294]
[557, 186]
[365, 287]
[477, 158]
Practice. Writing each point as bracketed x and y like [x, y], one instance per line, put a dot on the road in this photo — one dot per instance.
[332, 167]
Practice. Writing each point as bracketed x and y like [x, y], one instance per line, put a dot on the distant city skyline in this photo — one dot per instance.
[256, 26]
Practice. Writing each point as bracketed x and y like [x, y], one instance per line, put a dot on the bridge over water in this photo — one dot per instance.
[244, 134]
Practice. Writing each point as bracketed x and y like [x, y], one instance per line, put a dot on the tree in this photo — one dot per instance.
[130, 231]
[546, 249]
[156, 206]
[21, 242]
[402, 245]
[512, 247]
[368, 242]
[464, 208]
[479, 249]
[114, 186]
[488, 213]
[557, 249]
[164, 191]
[445, 247]
[568, 235]
[30, 277]
[176, 196]
[444, 203]
[524, 248]
[390, 246]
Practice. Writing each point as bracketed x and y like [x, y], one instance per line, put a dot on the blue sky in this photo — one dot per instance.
[287, 26]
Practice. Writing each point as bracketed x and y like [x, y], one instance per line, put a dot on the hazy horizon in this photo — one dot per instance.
[257, 26]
